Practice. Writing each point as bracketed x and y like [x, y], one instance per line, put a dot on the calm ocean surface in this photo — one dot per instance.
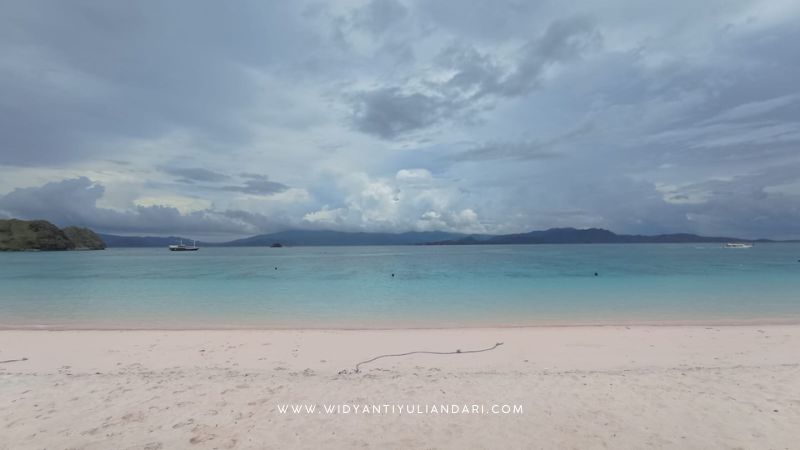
[432, 286]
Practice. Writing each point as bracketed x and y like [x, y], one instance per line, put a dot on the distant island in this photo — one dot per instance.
[305, 238]
[41, 235]
[587, 236]
[292, 238]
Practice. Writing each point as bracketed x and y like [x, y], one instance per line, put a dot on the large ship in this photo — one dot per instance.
[184, 248]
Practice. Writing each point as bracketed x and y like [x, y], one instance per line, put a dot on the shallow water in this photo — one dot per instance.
[432, 286]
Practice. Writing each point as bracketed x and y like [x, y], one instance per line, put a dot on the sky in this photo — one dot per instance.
[218, 120]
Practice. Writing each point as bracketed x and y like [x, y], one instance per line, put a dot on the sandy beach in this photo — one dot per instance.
[574, 387]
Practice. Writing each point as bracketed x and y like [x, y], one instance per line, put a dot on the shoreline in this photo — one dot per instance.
[400, 327]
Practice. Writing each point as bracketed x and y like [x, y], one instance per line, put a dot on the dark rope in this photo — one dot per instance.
[13, 360]
[457, 352]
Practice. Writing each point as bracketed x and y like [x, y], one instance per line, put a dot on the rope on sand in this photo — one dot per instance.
[13, 360]
[456, 352]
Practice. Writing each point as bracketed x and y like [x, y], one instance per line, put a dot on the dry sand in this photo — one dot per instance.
[579, 387]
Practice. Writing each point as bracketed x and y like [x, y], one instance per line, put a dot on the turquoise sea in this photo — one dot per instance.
[431, 287]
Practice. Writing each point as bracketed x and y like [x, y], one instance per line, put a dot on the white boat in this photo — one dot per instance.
[738, 245]
[184, 248]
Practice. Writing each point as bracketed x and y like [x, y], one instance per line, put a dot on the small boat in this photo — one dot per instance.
[738, 245]
[276, 245]
[184, 248]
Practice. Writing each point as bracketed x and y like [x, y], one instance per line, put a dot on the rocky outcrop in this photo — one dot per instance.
[22, 235]
[84, 238]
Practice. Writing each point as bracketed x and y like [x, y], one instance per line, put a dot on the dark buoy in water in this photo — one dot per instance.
[392, 275]
[276, 267]
[596, 274]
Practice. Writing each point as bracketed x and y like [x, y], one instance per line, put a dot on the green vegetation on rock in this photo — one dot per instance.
[22, 235]
[84, 238]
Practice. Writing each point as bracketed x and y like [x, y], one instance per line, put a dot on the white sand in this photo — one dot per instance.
[579, 387]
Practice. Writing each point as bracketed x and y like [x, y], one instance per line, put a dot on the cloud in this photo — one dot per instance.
[492, 20]
[392, 111]
[80, 79]
[414, 199]
[378, 16]
[74, 202]
[756, 108]
[192, 174]
[507, 150]
[414, 175]
[371, 204]
[396, 115]
[562, 41]
[258, 185]
[522, 150]
[747, 205]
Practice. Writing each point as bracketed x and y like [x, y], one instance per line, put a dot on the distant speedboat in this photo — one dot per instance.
[184, 248]
[276, 245]
[738, 245]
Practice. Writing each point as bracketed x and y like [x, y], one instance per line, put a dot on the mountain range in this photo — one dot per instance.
[588, 236]
[299, 238]
[293, 238]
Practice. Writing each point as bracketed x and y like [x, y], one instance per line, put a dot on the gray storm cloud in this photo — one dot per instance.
[476, 78]
[259, 185]
[503, 116]
[74, 202]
